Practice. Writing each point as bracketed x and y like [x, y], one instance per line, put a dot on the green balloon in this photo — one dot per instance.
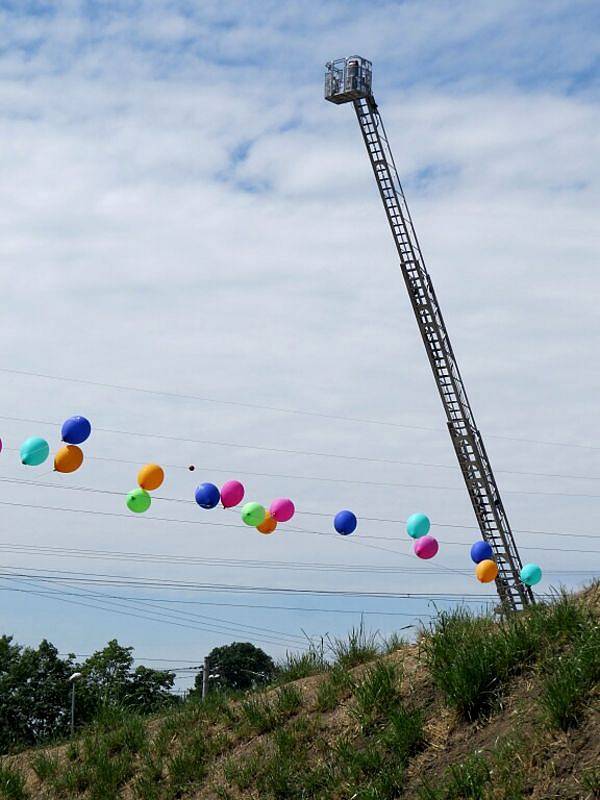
[34, 451]
[138, 501]
[253, 514]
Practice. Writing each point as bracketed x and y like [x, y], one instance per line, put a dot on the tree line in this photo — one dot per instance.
[35, 691]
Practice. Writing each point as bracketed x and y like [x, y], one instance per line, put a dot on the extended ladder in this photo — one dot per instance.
[467, 441]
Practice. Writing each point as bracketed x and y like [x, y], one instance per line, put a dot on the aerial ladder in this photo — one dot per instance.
[349, 80]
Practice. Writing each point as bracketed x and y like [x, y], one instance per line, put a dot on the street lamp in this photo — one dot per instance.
[73, 680]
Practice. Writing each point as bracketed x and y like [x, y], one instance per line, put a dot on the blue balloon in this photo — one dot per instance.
[207, 495]
[481, 551]
[345, 522]
[75, 430]
[417, 525]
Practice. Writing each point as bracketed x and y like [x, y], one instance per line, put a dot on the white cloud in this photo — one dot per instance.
[180, 209]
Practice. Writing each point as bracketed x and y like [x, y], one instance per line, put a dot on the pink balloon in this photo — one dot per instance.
[426, 547]
[232, 493]
[282, 509]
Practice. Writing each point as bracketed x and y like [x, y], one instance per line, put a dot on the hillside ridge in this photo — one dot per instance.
[474, 709]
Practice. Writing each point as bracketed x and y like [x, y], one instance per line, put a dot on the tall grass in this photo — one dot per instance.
[302, 665]
[471, 658]
[377, 694]
[358, 647]
[337, 685]
[45, 765]
[12, 784]
[570, 679]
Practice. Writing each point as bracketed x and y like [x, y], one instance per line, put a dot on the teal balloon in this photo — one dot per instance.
[417, 526]
[34, 451]
[531, 574]
[138, 501]
[253, 514]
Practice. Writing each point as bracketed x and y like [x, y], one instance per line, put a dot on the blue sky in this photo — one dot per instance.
[181, 211]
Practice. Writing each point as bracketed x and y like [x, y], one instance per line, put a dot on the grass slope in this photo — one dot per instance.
[476, 709]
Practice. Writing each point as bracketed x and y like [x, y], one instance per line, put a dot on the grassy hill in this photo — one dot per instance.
[475, 709]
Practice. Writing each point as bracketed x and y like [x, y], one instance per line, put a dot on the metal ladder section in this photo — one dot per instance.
[467, 441]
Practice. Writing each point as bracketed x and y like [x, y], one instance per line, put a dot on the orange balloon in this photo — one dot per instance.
[268, 526]
[68, 458]
[150, 477]
[486, 571]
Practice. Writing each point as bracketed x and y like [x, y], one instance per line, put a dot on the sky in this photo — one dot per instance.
[194, 256]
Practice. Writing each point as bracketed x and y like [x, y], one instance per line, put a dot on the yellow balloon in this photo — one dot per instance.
[486, 571]
[150, 477]
[268, 526]
[68, 458]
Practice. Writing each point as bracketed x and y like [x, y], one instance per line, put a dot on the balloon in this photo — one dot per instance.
[481, 551]
[531, 574]
[191, 467]
[486, 571]
[345, 522]
[282, 509]
[207, 495]
[426, 547]
[75, 430]
[269, 524]
[34, 451]
[232, 494]
[253, 514]
[150, 477]
[417, 525]
[138, 501]
[68, 458]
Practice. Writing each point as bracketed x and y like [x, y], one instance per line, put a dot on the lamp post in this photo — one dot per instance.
[73, 680]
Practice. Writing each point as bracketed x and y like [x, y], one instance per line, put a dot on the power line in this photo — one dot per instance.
[373, 569]
[156, 616]
[286, 451]
[205, 620]
[137, 658]
[105, 579]
[283, 410]
[271, 607]
[163, 558]
[188, 501]
[289, 528]
[28, 482]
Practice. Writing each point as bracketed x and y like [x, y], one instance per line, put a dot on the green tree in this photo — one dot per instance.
[240, 665]
[150, 689]
[107, 673]
[34, 690]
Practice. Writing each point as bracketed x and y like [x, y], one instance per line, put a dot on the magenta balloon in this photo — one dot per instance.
[232, 493]
[426, 547]
[282, 509]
